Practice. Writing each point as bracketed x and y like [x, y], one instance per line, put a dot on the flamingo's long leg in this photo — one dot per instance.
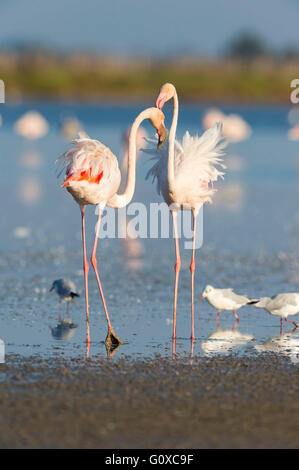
[177, 268]
[192, 269]
[86, 269]
[94, 265]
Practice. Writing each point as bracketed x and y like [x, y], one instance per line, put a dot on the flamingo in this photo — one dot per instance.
[70, 128]
[93, 177]
[235, 128]
[31, 125]
[184, 173]
[293, 133]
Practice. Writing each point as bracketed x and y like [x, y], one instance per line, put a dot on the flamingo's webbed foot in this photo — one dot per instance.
[112, 340]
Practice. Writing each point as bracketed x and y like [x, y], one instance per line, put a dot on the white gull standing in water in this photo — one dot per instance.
[281, 305]
[225, 299]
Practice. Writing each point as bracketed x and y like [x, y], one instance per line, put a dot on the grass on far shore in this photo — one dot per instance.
[86, 77]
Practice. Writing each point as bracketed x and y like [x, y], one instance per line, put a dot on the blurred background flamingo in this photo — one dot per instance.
[32, 125]
[235, 128]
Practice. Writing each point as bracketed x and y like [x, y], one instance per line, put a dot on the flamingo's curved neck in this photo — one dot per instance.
[121, 200]
[172, 134]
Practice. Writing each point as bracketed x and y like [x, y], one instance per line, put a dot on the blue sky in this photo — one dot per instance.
[147, 26]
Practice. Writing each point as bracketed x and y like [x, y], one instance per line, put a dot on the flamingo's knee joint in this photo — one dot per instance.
[192, 267]
[94, 261]
[177, 266]
[85, 267]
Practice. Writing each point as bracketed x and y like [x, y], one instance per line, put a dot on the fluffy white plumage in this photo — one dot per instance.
[195, 166]
[94, 168]
[281, 305]
[225, 299]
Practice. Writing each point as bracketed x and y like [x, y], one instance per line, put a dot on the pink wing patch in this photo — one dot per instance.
[83, 176]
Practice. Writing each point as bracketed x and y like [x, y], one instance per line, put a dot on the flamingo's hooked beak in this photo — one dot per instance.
[162, 134]
[202, 297]
[161, 100]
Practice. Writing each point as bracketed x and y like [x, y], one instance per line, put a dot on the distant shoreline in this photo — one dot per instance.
[84, 78]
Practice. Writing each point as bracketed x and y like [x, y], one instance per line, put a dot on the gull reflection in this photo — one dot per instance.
[224, 341]
[286, 344]
[64, 330]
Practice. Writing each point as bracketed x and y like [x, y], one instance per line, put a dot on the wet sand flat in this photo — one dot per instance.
[228, 402]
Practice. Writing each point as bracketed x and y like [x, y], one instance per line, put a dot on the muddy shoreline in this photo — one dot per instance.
[229, 402]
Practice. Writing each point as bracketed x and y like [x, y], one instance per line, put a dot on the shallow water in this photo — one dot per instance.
[250, 244]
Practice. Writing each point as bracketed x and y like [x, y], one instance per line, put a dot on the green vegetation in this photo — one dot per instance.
[86, 77]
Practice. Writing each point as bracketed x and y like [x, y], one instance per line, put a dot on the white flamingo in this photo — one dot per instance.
[184, 172]
[235, 128]
[293, 133]
[93, 177]
[31, 125]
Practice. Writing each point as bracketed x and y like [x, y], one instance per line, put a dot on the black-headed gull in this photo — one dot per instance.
[281, 305]
[66, 290]
[225, 299]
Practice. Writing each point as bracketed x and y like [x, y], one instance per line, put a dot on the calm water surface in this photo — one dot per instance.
[251, 243]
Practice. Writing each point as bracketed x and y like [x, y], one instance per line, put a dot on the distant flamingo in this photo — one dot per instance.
[184, 173]
[31, 125]
[93, 177]
[293, 133]
[235, 128]
[70, 127]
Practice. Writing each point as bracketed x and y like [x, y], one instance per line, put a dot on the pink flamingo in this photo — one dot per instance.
[235, 128]
[32, 125]
[184, 173]
[293, 133]
[93, 177]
